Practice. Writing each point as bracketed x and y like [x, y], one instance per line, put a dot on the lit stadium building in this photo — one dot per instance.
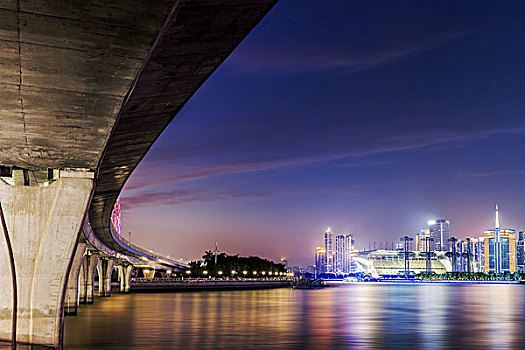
[392, 263]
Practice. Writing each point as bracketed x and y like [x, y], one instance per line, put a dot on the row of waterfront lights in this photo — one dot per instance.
[188, 272]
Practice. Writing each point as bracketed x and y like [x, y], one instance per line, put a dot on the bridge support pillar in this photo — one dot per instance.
[43, 225]
[105, 270]
[87, 278]
[71, 301]
[124, 272]
[149, 273]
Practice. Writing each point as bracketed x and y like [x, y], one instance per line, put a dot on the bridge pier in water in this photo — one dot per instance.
[86, 278]
[124, 271]
[105, 270]
[149, 273]
[43, 226]
[71, 300]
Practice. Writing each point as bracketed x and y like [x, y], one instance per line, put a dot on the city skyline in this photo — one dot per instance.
[496, 219]
[499, 250]
[358, 116]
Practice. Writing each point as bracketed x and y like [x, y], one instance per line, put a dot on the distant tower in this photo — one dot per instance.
[421, 241]
[500, 248]
[439, 231]
[520, 252]
[320, 259]
[329, 248]
[216, 251]
[497, 243]
[496, 220]
[344, 246]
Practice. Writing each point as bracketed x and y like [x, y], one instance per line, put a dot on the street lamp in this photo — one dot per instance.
[453, 240]
[220, 273]
[468, 255]
[406, 240]
[245, 272]
[428, 239]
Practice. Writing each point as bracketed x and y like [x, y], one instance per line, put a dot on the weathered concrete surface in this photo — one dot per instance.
[43, 225]
[86, 279]
[71, 300]
[124, 272]
[105, 270]
[65, 68]
[80, 80]
[197, 37]
[69, 69]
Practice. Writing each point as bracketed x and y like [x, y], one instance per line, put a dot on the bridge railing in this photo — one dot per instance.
[151, 253]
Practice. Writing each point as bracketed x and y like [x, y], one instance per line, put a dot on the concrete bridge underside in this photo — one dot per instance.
[86, 87]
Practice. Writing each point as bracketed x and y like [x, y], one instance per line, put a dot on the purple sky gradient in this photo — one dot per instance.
[367, 117]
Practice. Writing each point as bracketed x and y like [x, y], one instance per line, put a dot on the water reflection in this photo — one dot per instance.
[357, 316]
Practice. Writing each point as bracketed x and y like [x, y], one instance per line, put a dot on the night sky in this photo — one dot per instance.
[370, 117]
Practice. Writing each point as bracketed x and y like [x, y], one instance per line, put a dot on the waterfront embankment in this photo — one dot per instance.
[193, 285]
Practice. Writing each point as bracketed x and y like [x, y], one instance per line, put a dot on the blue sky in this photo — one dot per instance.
[369, 117]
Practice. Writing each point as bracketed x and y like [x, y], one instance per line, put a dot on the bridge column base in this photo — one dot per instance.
[124, 272]
[71, 302]
[87, 278]
[149, 273]
[105, 270]
[43, 225]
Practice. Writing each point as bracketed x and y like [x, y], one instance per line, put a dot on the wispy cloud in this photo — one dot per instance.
[297, 59]
[183, 196]
[229, 155]
[333, 46]
[489, 173]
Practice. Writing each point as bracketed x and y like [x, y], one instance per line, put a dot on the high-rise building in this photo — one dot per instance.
[329, 248]
[344, 246]
[466, 249]
[439, 231]
[320, 259]
[500, 248]
[479, 254]
[520, 252]
[421, 241]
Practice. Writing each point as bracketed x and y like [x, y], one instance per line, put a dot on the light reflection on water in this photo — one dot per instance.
[356, 316]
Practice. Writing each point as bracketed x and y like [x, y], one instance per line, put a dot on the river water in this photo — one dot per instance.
[352, 316]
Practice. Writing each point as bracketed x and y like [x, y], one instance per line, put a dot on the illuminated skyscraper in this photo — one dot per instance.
[421, 241]
[500, 248]
[320, 259]
[520, 252]
[329, 248]
[479, 254]
[439, 231]
[344, 246]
